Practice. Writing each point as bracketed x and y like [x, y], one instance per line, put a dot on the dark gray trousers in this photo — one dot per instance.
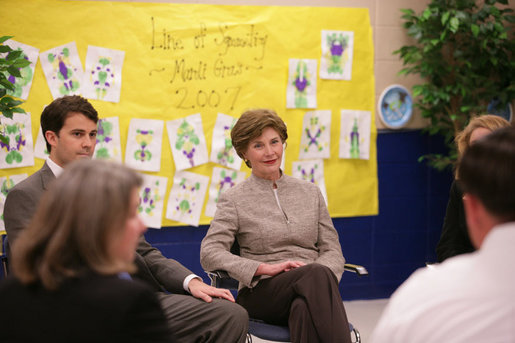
[194, 321]
[306, 299]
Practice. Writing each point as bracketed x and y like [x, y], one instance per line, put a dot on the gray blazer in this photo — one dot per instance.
[21, 203]
[249, 212]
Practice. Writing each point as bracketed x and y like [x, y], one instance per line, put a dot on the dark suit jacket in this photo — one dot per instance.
[158, 271]
[90, 309]
[454, 239]
[22, 201]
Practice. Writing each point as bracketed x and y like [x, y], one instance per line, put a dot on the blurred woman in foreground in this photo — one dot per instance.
[71, 264]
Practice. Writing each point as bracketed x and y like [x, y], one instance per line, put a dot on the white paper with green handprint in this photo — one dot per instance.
[6, 183]
[40, 149]
[152, 194]
[337, 51]
[301, 91]
[315, 140]
[63, 70]
[18, 150]
[103, 76]
[108, 140]
[222, 151]
[187, 197]
[312, 171]
[144, 144]
[187, 141]
[221, 180]
[355, 134]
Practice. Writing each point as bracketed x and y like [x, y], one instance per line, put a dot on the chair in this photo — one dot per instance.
[3, 256]
[260, 329]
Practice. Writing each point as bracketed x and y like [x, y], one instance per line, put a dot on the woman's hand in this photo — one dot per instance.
[274, 269]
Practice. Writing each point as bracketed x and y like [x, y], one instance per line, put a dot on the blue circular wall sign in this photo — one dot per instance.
[395, 106]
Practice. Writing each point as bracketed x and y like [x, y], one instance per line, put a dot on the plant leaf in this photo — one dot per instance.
[18, 110]
[475, 29]
[21, 63]
[13, 71]
[4, 38]
[455, 23]
[5, 48]
[7, 84]
[445, 18]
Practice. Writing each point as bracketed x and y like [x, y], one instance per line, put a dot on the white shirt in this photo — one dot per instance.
[54, 167]
[467, 298]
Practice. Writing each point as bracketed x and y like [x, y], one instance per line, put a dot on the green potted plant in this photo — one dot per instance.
[464, 53]
[11, 61]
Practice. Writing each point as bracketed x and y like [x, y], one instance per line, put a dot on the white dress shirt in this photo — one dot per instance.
[467, 298]
[54, 167]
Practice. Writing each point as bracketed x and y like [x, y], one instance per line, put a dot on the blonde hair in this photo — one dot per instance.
[251, 125]
[487, 121]
[84, 209]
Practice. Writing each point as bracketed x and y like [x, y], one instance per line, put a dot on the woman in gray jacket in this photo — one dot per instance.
[290, 258]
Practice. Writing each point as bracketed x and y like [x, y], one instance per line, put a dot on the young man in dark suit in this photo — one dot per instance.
[69, 126]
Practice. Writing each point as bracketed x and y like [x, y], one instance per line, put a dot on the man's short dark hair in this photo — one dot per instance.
[54, 115]
[487, 170]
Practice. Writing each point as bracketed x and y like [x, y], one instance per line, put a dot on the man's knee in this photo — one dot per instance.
[231, 312]
[233, 320]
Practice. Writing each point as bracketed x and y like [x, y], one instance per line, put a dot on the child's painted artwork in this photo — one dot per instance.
[144, 142]
[22, 84]
[187, 197]
[108, 140]
[337, 50]
[103, 76]
[6, 183]
[316, 135]
[152, 195]
[222, 151]
[187, 141]
[221, 180]
[312, 171]
[355, 134]
[301, 91]
[63, 70]
[18, 149]
[40, 149]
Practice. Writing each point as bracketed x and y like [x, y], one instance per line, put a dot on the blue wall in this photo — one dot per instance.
[412, 201]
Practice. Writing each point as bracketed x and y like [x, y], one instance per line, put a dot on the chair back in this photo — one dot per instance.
[5, 256]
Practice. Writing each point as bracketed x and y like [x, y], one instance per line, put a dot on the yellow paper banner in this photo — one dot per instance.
[210, 59]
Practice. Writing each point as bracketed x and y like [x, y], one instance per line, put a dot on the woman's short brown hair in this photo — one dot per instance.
[251, 125]
[84, 209]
